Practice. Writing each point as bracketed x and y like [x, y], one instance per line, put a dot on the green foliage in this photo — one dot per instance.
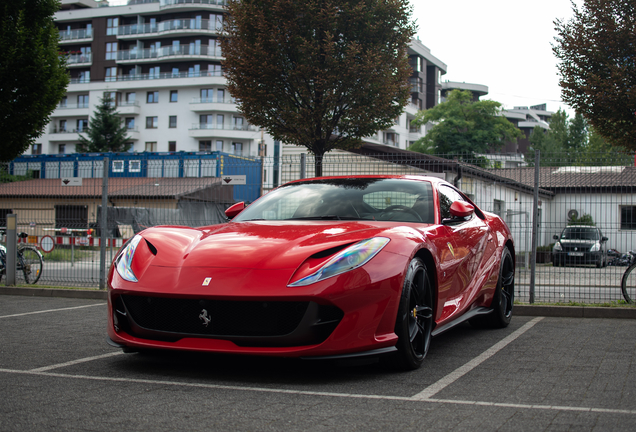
[322, 74]
[5, 177]
[597, 53]
[585, 219]
[106, 131]
[33, 77]
[573, 143]
[464, 127]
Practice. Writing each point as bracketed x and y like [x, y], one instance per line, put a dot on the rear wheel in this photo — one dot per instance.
[415, 318]
[628, 284]
[29, 266]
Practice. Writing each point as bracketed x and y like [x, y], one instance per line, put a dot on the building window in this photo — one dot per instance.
[391, 138]
[84, 77]
[111, 26]
[151, 146]
[173, 122]
[36, 149]
[111, 51]
[238, 123]
[237, 148]
[172, 146]
[82, 124]
[61, 148]
[206, 95]
[118, 166]
[71, 216]
[130, 97]
[628, 217]
[63, 102]
[130, 123]
[219, 121]
[62, 125]
[205, 121]
[220, 96]
[205, 146]
[214, 70]
[152, 97]
[111, 74]
[82, 101]
[135, 165]
[152, 122]
[498, 207]
[219, 145]
[174, 95]
[3, 216]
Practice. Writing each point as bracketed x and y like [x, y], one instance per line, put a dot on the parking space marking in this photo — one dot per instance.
[51, 310]
[463, 370]
[74, 362]
[324, 394]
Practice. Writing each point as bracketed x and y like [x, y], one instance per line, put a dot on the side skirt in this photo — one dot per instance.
[355, 354]
[465, 317]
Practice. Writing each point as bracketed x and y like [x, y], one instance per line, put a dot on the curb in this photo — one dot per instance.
[520, 310]
[50, 292]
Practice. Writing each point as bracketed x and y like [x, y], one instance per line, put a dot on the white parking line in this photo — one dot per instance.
[324, 394]
[463, 370]
[74, 362]
[51, 310]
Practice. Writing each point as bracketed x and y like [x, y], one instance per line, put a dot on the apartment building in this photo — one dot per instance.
[160, 60]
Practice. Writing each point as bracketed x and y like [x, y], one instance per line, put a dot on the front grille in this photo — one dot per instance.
[247, 323]
[584, 247]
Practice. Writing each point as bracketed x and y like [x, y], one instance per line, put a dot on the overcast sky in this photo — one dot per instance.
[502, 44]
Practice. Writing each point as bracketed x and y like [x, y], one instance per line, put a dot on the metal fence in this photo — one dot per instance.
[63, 206]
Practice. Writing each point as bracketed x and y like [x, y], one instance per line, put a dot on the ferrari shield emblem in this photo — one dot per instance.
[206, 281]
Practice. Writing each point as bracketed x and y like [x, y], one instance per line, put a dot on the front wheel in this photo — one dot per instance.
[29, 265]
[628, 284]
[415, 317]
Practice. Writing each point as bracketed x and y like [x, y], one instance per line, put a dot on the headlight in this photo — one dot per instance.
[596, 247]
[124, 260]
[348, 259]
[557, 247]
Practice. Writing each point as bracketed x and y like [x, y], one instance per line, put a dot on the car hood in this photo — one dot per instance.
[250, 245]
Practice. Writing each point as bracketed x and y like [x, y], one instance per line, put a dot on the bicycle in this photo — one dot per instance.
[628, 283]
[29, 262]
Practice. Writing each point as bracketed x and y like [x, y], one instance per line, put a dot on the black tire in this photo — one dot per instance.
[414, 322]
[29, 265]
[628, 284]
[503, 299]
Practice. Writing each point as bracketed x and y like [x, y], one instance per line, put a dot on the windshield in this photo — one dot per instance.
[346, 199]
[578, 233]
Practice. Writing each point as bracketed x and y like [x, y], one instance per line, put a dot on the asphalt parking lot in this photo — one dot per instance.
[541, 373]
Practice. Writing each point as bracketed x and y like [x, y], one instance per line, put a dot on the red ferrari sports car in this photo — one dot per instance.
[318, 268]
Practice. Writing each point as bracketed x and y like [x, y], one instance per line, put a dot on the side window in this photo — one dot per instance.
[447, 196]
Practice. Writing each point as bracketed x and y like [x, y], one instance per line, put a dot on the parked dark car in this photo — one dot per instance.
[580, 244]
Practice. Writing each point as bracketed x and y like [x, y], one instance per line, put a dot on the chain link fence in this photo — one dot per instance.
[61, 208]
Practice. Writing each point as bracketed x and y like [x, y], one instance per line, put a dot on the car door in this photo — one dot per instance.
[469, 239]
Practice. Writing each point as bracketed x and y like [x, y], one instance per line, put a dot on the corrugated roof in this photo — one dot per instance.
[574, 177]
[118, 187]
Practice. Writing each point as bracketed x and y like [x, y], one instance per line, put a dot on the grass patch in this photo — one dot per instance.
[64, 255]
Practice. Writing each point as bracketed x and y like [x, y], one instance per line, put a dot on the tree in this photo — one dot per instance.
[33, 77]
[464, 127]
[597, 53]
[318, 73]
[552, 142]
[105, 131]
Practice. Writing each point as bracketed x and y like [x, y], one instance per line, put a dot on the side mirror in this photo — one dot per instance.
[23, 235]
[604, 239]
[460, 212]
[234, 210]
[555, 237]
[461, 209]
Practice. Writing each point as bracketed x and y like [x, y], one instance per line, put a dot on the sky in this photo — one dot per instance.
[502, 44]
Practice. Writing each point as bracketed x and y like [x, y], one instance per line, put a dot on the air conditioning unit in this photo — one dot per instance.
[572, 214]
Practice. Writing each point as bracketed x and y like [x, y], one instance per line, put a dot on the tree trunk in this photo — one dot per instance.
[318, 164]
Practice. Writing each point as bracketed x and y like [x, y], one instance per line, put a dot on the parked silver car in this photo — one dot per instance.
[580, 244]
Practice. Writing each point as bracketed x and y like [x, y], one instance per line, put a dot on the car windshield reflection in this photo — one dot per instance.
[401, 200]
[580, 234]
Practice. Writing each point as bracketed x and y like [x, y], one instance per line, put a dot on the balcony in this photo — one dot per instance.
[206, 105]
[66, 134]
[71, 110]
[75, 36]
[177, 27]
[128, 108]
[79, 60]
[169, 53]
[171, 75]
[133, 133]
[204, 130]
[80, 80]
[185, 4]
